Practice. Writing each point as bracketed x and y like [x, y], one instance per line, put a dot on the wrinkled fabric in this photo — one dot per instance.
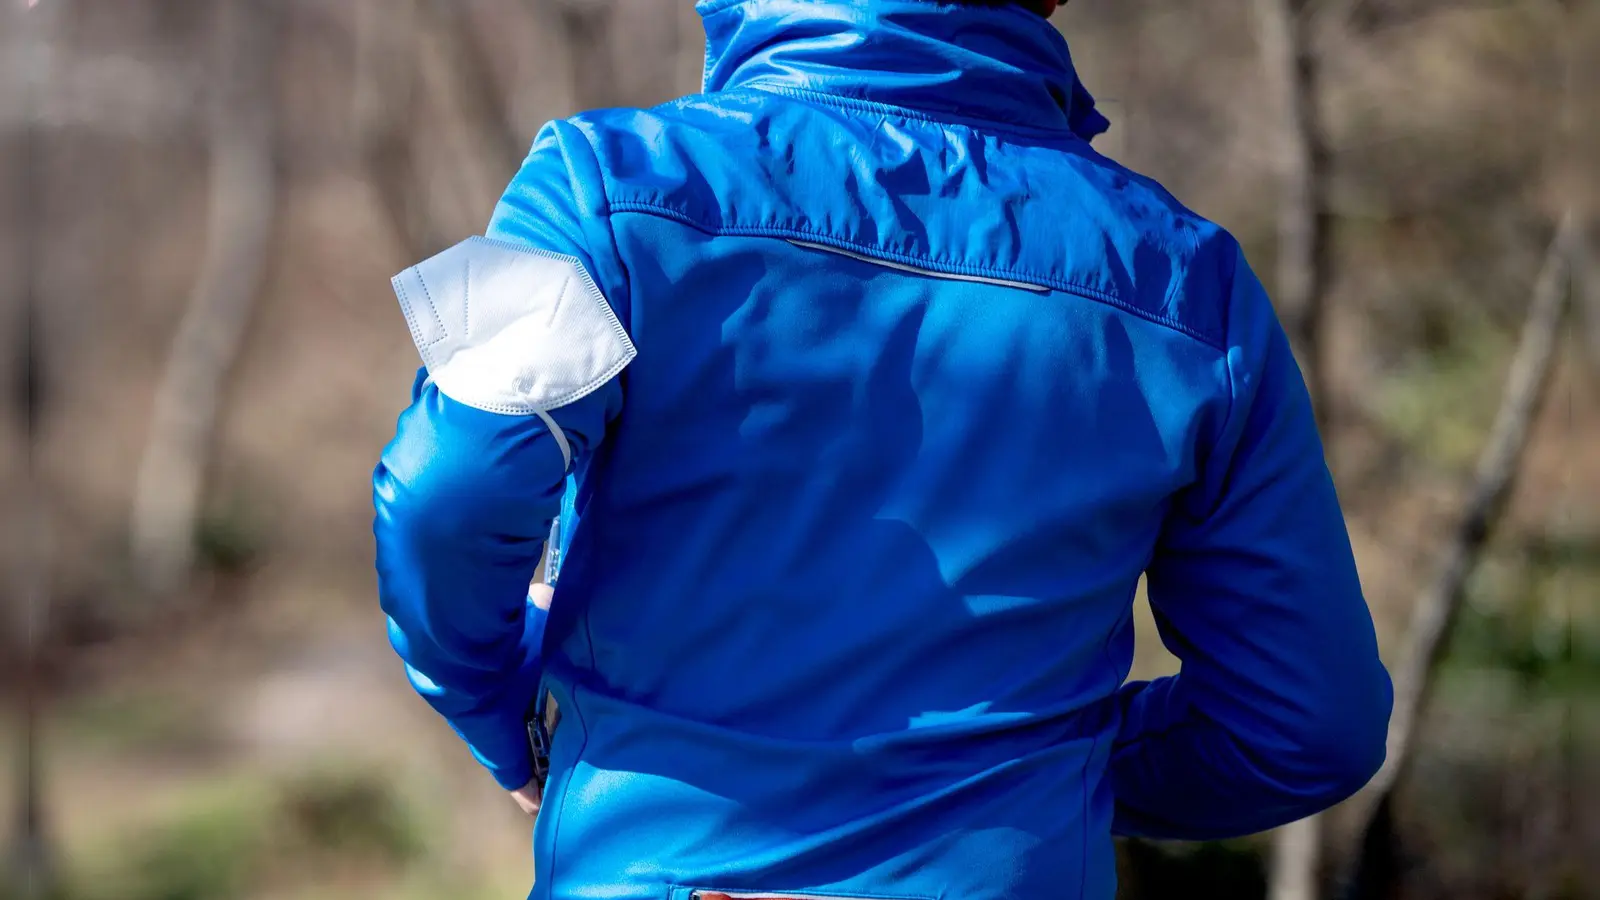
[464, 501]
[924, 386]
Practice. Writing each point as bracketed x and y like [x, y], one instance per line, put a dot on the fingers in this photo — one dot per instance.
[527, 799]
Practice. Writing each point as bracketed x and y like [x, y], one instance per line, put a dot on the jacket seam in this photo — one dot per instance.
[604, 211]
[787, 231]
[1083, 791]
[1227, 328]
[566, 783]
[976, 123]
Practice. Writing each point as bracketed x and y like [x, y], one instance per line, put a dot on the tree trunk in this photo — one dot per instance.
[32, 856]
[1373, 871]
[31, 859]
[1304, 236]
[188, 402]
[1296, 862]
[1304, 255]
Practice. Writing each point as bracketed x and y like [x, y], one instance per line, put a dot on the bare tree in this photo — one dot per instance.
[1291, 32]
[1290, 56]
[1291, 61]
[1296, 862]
[188, 401]
[32, 856]
[1436, 610]
[1374, 872]
[31, 859]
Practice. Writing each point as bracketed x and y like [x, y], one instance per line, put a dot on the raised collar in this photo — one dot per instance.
[965, 62]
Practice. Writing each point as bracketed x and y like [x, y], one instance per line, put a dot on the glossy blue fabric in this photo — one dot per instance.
[846, 607]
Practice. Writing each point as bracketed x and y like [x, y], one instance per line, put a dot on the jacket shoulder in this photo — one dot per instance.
[692, 156]
[1051, 211]
[1145, 247]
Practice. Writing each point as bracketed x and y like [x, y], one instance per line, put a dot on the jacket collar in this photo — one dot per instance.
[978, 62]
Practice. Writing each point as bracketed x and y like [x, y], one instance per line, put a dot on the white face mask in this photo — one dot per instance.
[511, 329]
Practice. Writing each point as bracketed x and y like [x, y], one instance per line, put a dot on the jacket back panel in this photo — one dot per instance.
[851, 592]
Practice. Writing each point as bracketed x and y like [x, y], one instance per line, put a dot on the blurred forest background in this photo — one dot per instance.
[203, 200]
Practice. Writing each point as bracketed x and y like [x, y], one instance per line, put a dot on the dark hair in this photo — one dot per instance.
[1042, 7]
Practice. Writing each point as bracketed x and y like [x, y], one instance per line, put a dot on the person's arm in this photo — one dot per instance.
[521, 353]
[464, 499]
[1281, 706]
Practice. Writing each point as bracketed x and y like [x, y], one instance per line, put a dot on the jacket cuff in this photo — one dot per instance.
[501, 746]
[498, 737]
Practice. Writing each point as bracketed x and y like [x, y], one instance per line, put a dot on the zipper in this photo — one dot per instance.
[915, 270]
[727, 895]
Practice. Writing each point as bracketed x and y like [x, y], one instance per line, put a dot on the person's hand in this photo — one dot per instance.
[527, 798]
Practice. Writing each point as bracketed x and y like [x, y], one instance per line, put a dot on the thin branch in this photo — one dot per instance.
[1496, 475]
[1436, 610]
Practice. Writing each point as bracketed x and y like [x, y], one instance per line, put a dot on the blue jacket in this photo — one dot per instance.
[880, 390]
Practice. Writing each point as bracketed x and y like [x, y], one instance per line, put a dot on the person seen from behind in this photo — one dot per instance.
[877, 390]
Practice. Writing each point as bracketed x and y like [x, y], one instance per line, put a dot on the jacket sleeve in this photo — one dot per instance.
[522, 354]
[1281, 706]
